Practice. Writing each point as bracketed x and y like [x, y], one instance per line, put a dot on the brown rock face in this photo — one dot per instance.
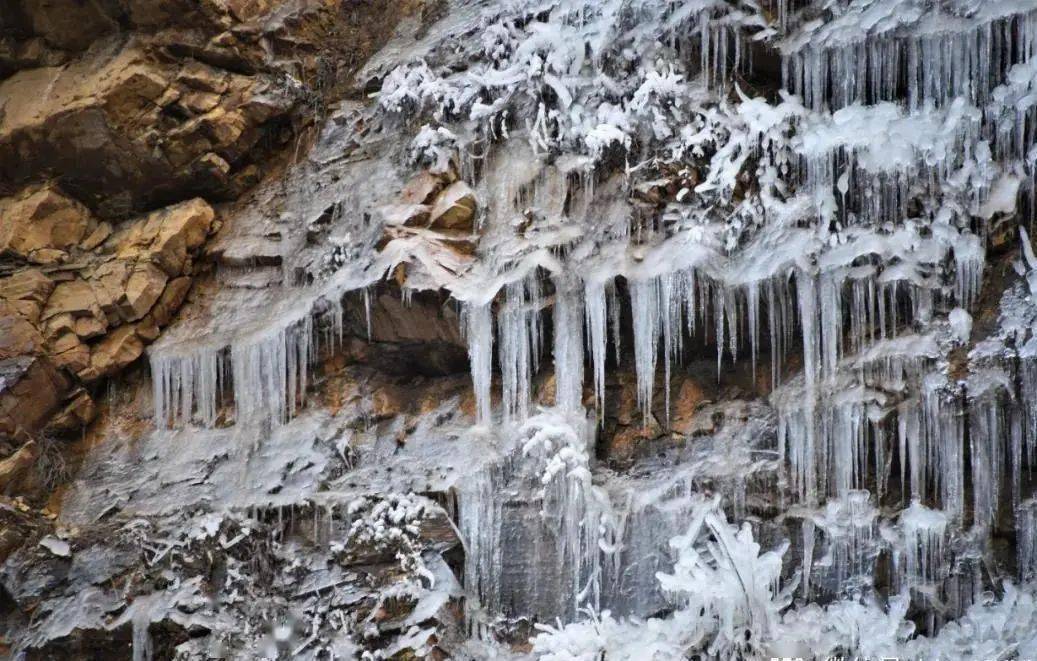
[142, 125]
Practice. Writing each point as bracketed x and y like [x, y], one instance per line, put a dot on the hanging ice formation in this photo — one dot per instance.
[265, 372]
[866, 227]
[542, 539]
[268, 377]
[838, 65]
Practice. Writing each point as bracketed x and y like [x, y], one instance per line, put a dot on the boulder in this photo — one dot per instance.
[97, 237]
[117, 350]
[30, 390]
[686, 405]
[421, 189]
[75, 297]
[87, 328]
[69, 352]
[26, 285]
[143, 289]
[68, 24]
[168, 235]
[76, 414]
[108, 282]
[18, 337]
[26, 292]
[198, 76]
[409, 215]
[40, 221]
[170, 301]
[454, 209]
[48, 256]
[14, 467]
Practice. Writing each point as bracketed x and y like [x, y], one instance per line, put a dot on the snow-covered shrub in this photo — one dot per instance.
[726, 592]
[433, 148]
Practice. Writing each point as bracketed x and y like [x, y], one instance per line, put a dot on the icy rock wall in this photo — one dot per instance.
[834, 233]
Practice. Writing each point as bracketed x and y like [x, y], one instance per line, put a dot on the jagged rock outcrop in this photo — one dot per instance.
[89, 317]
[113, 109]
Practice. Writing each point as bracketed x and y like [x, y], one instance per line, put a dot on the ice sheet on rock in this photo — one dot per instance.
[243, 467]
[849, 528]
[539, 502]
[165, 471]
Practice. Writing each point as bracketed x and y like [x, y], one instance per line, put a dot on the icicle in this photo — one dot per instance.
[796, 434]
[1026, 539]
[477, 324]
[518, 329]
[944, 430]
[644, 308]
[719, 304]
[933, 66]
[988, 431]
[614, 318]
[913, 454]
[367, 311]
[808, 554]
[670, 319]
[831, 321]
[594, 294]
[568, 347]
[142, 643]
[969, 259]
[187, 387]
[806, 292]
[752, 299]
[1028, 396]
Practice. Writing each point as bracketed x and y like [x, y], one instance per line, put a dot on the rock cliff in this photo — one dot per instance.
[558, 329]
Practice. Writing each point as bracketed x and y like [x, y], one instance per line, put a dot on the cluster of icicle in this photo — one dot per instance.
[265, 374]
[969, 103]
[872, 394]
